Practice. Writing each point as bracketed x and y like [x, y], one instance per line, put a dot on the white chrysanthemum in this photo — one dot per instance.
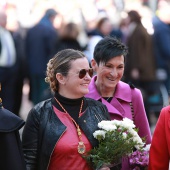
[107, 126]
[115, 122]
[124, 135]
[120, 126]
[128, 123]
[115, 135]
[132, 132]
[103, 123]
[138, 147]
[139, 142]
[99, 134]
[147, 147]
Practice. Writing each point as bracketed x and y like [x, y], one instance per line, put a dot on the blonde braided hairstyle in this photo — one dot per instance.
[60, 63]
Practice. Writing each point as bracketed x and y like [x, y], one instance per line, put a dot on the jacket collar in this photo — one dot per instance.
[122, 92]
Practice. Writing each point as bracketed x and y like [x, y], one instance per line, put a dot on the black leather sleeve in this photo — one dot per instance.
[30, 140]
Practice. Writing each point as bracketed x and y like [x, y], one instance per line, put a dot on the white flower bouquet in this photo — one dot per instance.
[116, 139]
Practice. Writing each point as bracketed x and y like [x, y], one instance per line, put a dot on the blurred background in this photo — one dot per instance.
[88, 19]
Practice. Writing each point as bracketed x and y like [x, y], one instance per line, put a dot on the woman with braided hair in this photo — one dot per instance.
[59, 130]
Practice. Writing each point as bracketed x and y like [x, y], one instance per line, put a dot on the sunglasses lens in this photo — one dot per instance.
[82, 73]
[90, 71]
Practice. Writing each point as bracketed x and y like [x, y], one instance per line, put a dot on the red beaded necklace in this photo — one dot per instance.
[81, 147]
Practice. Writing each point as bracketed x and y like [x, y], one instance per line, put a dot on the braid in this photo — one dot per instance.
[60, 63]
[51, 79]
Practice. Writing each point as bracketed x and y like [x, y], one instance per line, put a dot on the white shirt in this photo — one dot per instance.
[8, 52]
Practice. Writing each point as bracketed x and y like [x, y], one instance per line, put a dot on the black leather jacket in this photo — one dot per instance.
[43, 129]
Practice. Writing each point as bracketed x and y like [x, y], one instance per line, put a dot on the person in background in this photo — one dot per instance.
[161, 40]
[18, 34]
[8, 59]
[68, 37]
[140, 67]
[121, 99]
[103, 27]
[11, 155]
[59, 130]
[40, 47]
[93, 39]
[159, 155]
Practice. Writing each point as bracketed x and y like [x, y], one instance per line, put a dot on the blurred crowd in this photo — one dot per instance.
[25, 47]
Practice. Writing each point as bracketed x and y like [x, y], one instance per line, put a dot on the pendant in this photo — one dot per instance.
[81, 148]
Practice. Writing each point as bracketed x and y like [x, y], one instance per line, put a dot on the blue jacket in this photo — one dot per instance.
[161, 40]
[40, 47]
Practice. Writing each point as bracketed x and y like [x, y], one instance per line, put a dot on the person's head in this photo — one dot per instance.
[109, 61]
[68, 73]
[50, 14]
[69, 31]
[108, 48]
[134, 16]
[104, 25]
[49, 17]
[163, 11]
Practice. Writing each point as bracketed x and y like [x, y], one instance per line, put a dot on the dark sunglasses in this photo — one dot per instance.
[83, 72]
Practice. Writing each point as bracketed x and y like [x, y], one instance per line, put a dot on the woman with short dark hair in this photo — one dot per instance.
[121, 99]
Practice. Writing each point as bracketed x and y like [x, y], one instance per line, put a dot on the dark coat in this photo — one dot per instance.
[40, 47]
[11, 155]
[65, 43]
[9, 76]
[140, 54]
[40, 135]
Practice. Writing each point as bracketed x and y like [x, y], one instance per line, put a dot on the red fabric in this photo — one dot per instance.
[160, 147]
[65, 155]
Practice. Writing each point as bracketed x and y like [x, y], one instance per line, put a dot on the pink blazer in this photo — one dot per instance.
[119, 107]
[159, 156]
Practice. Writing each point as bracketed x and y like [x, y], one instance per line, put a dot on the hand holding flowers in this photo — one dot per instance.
[116, 140]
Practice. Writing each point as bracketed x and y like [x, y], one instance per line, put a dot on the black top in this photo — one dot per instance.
[65, 43]
[72, 106]
[108, 99]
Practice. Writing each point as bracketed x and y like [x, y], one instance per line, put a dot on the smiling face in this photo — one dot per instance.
[108, 75]
[71, 86]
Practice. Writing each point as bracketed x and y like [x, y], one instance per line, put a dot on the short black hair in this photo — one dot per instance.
[108, 48]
